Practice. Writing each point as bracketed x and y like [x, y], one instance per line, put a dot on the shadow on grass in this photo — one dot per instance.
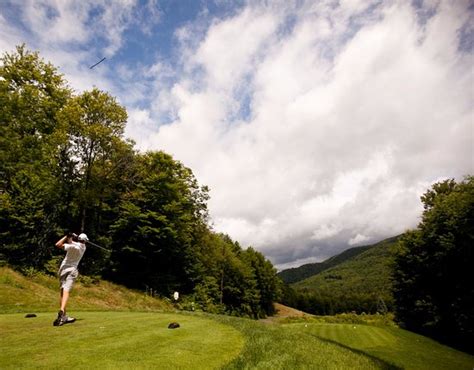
[382, 363]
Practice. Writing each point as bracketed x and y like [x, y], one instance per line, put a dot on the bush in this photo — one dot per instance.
[52, 266]
[88, 281]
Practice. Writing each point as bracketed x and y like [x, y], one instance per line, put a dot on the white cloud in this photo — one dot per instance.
[9, 36]
[298, 262]
[139, 121]
[69, 22]
[72, 35]
[325, 231]
[149, 16]
[358, 239]
[227, 51]
[336, 148]
[317, 125]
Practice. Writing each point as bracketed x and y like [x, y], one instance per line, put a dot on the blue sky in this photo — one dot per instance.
[158, 40]
[316, 124]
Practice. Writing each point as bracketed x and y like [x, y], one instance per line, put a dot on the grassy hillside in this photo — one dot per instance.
[365, 277]
[303, 272]
[397, 348]
[38, 292]
[111, 339]
[296, 274]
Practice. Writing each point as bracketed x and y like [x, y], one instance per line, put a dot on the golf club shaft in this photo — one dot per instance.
[98, 246]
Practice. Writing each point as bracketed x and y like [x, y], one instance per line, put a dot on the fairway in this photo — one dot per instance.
[396, 347]
[124, 338]
[114, 340]
[141, 340]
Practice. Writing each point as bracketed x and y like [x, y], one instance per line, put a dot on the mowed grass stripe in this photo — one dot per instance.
[375, 336]
[329, 334]
[362, 336]
[117, 340]
[287, 347]
[396, 346]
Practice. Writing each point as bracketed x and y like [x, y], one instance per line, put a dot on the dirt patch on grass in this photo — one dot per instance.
[284, 312]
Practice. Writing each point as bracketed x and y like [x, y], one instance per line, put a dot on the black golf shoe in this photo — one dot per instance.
[60, 320]
[68, 320]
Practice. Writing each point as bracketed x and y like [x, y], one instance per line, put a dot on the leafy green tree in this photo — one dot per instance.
[207, 294]
[212, 251]
[95, 123]
[233, 280]
[267, 281]
[32, 92]
[433, 283]
[240, 293]
[154, 235]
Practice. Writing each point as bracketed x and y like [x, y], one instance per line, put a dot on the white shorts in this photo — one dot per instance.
[67, 277]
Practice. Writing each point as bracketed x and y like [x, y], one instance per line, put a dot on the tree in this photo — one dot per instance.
[267, 281]
[433, 283]
[32, 93]
[95, 123]
[156, 230]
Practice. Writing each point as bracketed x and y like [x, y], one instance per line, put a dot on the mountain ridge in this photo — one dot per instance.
[303, 272]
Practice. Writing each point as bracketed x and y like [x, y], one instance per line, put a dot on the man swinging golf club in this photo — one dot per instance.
[68, 271]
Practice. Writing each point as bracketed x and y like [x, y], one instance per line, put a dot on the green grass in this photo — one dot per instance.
[343, 318]
[270, 346]
[110, 333]
[121, 340]
[39, 292]
[393, 345]
[117, 340]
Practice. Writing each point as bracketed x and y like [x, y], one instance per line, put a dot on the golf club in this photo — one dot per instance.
[98, 246]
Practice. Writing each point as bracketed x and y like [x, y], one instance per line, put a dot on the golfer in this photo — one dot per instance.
[68, 271]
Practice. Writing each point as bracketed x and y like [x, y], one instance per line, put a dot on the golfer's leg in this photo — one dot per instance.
[64, 298]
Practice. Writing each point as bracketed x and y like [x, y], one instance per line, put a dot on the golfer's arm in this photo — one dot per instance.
[60, 242]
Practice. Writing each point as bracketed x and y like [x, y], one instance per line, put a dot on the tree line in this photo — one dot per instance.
[66, 166]
[433, 286]
[332, 303]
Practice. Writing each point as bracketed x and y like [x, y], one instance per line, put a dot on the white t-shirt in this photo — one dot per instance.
[74, 253]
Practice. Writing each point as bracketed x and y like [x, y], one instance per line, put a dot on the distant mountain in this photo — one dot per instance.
[357, 279]
[296, 274]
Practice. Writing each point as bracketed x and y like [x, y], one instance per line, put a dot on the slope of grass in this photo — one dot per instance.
[125, 339]
[305, 271]
[365, 277]
[122, 340]
[117, 340]
[342, 318]
[40, 292]
[392, 345]
[272, 346]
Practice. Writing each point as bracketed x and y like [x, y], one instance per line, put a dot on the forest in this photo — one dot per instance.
[65, 166]
[357, 280]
